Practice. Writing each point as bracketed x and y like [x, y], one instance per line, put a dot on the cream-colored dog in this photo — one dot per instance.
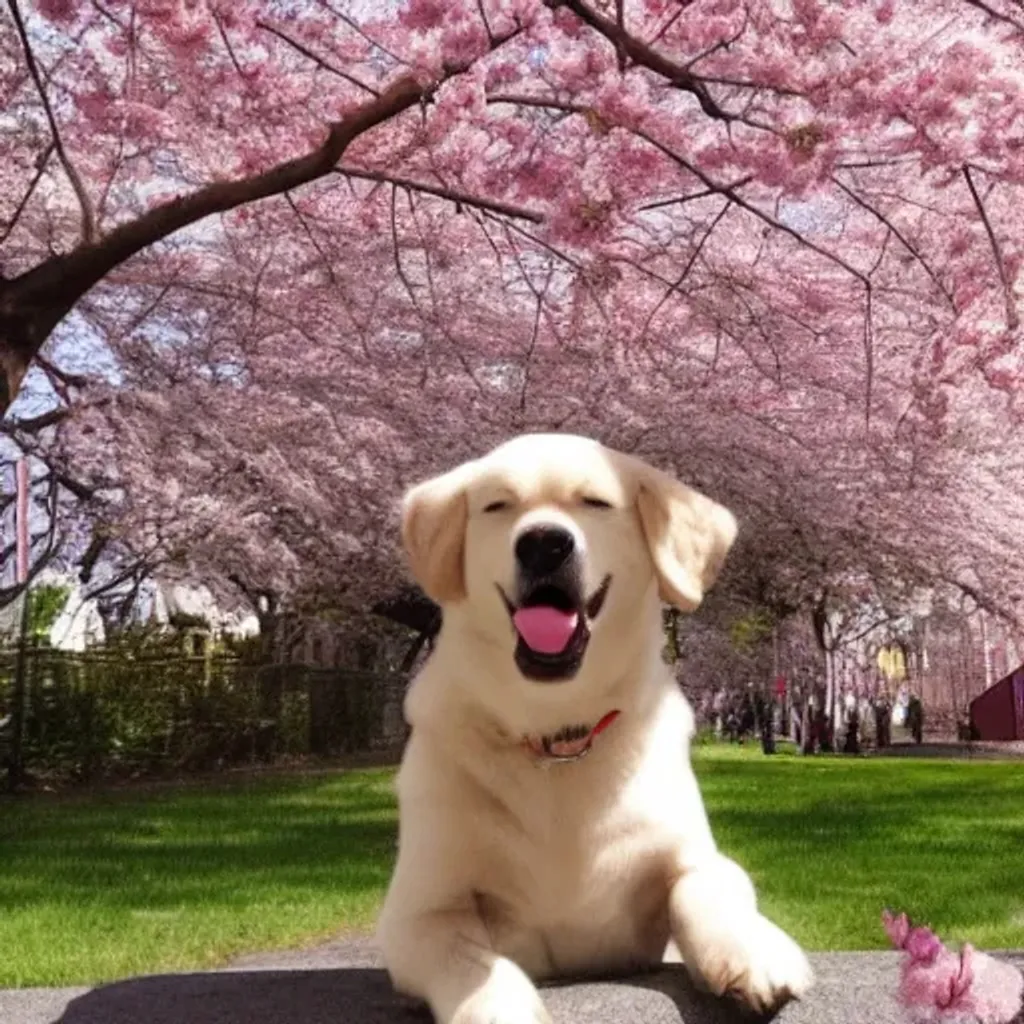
[520, 858]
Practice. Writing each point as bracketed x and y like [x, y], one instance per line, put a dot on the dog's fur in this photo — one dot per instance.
[512, 869]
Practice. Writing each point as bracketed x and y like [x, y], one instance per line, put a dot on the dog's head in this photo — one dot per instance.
[553, 551]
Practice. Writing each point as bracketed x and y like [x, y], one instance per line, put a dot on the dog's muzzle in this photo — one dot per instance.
[552, 615]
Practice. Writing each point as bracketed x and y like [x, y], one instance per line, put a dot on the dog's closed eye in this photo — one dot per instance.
[496, 506]
[596, 503]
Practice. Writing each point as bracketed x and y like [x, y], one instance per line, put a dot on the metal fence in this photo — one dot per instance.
[96, 714]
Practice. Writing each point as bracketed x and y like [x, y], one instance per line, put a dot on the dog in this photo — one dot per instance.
[550, 823]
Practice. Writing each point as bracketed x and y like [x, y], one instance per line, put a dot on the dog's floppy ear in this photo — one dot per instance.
[688, 534]
[434, 517]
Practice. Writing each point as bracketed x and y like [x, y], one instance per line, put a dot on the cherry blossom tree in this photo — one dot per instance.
[277, 262]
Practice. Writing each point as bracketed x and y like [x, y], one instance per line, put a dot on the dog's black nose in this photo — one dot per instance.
[544, 549]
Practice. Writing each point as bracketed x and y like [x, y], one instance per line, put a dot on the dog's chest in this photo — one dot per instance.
[579, 877]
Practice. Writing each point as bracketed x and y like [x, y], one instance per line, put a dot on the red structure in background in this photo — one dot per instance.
[998, 713]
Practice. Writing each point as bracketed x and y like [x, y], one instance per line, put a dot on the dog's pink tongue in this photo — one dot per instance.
[544, 629]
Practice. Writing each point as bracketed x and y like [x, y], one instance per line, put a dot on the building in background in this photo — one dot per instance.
[998, 713]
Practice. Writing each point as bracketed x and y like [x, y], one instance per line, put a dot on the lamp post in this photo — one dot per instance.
[16, 762]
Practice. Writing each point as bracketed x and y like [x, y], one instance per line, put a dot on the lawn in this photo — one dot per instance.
[98, 886]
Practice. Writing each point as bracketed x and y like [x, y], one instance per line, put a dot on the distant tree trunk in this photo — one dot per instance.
[808, 727]
[270, 678]
[851, 744]
[766, 714]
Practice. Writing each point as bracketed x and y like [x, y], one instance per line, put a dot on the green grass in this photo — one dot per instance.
[829, 841]
[103, 886]
[99, 886]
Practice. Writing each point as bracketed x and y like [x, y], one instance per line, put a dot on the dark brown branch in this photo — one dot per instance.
[667, 27]
[75, 487]
[33, 304]
[459, 198]
[1012, 317]
[319, 61]
[484, 19]
[141, 567]
[620, 24]
[97, 545]
[70, 380]
[640, 53]
[227, 43]
[702, 194]
[722, 44]
[33, 424]
[992, 13]
[88, 217]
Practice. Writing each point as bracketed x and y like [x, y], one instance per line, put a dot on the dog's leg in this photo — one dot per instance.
[727, 945]
[446, 958]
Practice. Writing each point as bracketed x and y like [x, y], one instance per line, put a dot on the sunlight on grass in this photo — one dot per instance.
[114, 884]
[832, 840]
[101, 886]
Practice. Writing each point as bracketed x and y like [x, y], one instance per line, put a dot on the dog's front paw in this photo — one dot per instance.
[508, 997]
[487, 1008]
[755, 962]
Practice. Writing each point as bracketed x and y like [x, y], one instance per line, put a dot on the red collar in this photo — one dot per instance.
[570, 743]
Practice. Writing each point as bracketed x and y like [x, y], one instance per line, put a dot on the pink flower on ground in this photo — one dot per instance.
[937, 985]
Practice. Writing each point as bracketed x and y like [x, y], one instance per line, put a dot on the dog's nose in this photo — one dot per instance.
[544, 549]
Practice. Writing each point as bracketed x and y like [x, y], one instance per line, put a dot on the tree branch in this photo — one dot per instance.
[33, 424]
[713, 187]
[640, 53]
[79, 490]
[702, 194]
[66, 379]
[1012, 317]
[992, 13]
[97, 545]
[907, 244]
[459, 198]
[319, 61]
[33, 304]
[684, 273]
[88, 216]
[41, 163]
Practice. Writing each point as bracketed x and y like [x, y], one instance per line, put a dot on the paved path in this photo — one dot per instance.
[343, 983]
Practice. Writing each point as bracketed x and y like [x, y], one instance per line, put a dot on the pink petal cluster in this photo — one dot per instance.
[939, 986]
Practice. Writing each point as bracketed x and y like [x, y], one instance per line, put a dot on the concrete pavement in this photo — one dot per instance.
[343, 982]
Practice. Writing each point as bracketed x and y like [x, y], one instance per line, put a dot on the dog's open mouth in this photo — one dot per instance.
[553, 630]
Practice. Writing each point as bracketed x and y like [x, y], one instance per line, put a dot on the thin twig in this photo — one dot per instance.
[222, 32]
[355, 27]
[687, 268]
[88, 217]
[319, 61]
[41, 163]
[459, 198]
[312, 240]
[992, 13]
[908, 245]
[483, 18]
[702, 194]
[1012, 317]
